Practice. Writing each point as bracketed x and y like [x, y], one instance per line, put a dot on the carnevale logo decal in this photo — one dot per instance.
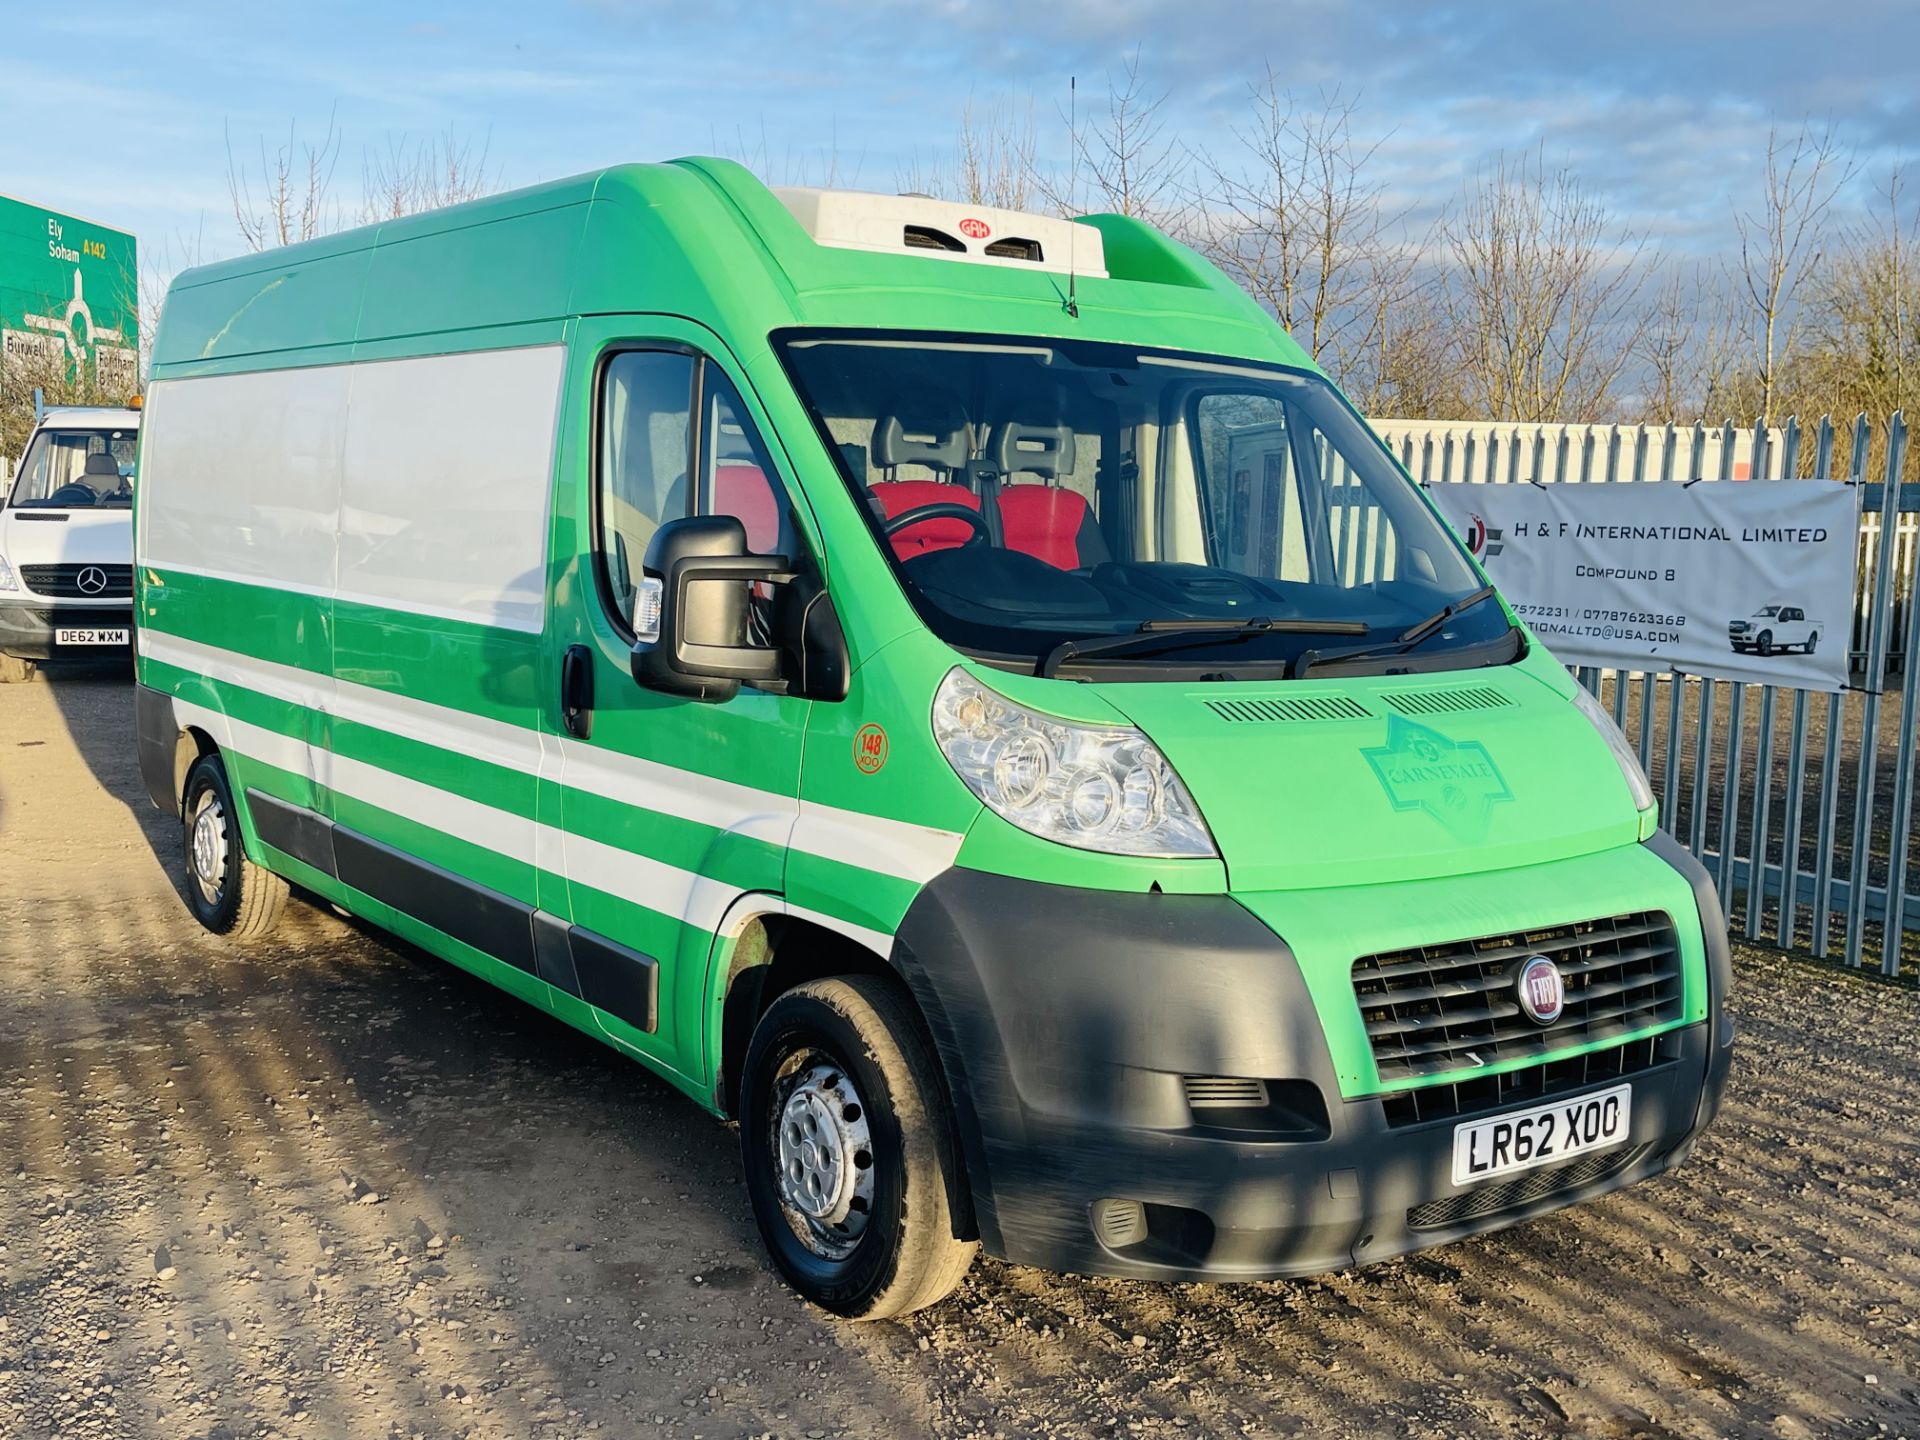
[1454, 781]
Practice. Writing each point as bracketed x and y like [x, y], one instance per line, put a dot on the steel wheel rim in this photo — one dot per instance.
[822, 1152]
[207, 850]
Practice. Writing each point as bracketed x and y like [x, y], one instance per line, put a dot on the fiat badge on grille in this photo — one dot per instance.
[1542, 993]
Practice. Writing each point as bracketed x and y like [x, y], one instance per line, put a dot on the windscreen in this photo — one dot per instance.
[71, 469]
[1030, 493]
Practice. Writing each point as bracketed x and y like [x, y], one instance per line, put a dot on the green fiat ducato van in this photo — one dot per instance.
[956, 692]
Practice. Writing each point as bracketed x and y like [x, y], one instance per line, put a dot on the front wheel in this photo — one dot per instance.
[1766, 642]
[15, 671]
[849, 1150]
[227, 892]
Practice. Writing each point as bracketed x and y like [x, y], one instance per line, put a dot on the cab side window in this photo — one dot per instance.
[1252, 487]
[736, 476]
[646, 413]
[660, 409]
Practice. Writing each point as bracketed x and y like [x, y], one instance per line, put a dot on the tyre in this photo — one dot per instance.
[849, 1149]
[227, 892]
[1813, 642]
[1766, 642]
[15, 671]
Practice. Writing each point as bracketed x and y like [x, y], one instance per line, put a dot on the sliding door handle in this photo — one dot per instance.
[576, 691]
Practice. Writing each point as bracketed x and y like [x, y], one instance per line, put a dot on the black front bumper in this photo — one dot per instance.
[28, 627]
[1067, 1054]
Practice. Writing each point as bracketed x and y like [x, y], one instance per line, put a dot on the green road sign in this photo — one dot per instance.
[69, 298]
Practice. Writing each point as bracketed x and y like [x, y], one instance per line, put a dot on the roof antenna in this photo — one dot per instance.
[1073, 194]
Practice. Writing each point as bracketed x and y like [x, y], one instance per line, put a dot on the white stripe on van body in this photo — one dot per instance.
[697, 900]
[898, 848]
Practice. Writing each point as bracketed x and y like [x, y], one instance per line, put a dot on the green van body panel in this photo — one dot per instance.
[1318, 840]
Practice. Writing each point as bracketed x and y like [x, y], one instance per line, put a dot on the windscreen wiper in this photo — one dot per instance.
[1400, 643]
[1176, 634]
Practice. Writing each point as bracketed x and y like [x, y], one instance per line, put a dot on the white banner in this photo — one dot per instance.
[1742, 580]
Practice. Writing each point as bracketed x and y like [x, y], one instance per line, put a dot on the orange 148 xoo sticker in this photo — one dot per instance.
[870, 748]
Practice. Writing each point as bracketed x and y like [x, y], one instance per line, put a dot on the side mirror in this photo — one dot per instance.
[693, 607]
[691, 610]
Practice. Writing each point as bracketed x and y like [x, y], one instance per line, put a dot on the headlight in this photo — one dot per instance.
[1623, 755]
[7, 582]
[1095, 787]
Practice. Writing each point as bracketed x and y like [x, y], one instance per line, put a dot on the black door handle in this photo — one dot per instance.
[576, 691]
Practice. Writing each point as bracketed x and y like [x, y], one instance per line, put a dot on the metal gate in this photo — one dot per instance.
[1800, 804]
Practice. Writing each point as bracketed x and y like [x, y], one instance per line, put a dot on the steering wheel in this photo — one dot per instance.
[940, 510]
[73, 493]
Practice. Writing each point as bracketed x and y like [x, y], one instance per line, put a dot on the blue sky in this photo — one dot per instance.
[122, 113]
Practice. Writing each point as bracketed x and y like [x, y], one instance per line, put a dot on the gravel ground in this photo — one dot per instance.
[328, 1186]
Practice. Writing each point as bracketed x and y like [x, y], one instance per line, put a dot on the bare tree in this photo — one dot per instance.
[1412, 369]
[1123, 160]
[1539, 294]
[1297, 222]
[1686, 348]
[287, 196]
[996, 155]
[790, 165]
[410, 176]
[1858, 341]
[992, 162]
[1780, 242]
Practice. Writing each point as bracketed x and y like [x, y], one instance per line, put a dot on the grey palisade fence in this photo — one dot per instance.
[1800, 804]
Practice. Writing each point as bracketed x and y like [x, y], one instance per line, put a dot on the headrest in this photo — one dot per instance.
[1044, 450]
[926, 428]
[101, 463]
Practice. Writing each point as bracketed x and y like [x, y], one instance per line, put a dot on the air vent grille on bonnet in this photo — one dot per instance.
[1300, 707]
[1277, 710]
[1438, 702]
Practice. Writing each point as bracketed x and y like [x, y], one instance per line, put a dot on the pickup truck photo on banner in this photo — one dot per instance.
[1740, 580]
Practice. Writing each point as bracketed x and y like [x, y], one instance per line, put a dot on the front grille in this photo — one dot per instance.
[1210, 1092]
[62, 582]
[1481, 1094]
[1523, 1190]
[1435, 1009]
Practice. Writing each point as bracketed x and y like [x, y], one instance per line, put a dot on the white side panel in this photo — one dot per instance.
[240, 476]
[449, 465]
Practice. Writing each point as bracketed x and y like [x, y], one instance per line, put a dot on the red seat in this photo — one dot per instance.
[1048, 521]
[1050, 524]
[744, 492]
[896, 497]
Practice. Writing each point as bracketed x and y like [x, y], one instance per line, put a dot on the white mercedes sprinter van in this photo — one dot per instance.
[66, 541]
